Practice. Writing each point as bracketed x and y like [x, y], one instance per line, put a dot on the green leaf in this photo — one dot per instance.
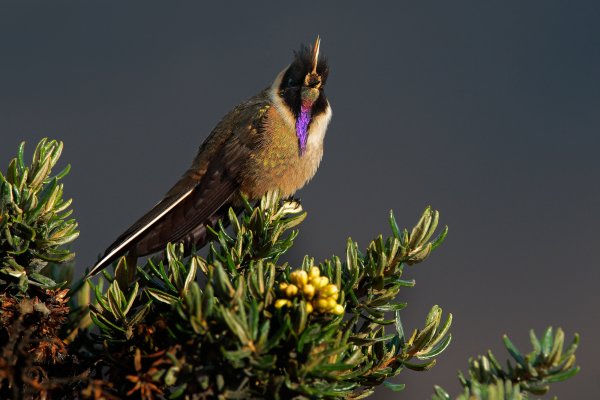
[43, 281]
[24, 231]
[399, 328]
[547, 342]
[395, 387]
[237, 326]
[140, 314]
[191, 275]
[420, 367]
[440, 239]
[440, 394]
[516, 354]
[369, 341]
[391, 307]
[564, 375]
[162, 296]
[132, 298]
[40, 174]
[437, 349]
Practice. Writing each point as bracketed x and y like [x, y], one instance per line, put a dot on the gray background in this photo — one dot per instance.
[488, 112]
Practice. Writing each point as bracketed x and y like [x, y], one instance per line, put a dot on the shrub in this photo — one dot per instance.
[235, 323]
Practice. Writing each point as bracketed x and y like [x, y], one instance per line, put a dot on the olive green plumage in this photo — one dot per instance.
[254, 149]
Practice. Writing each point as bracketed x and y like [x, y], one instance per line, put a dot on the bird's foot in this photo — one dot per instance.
[292, 204]
[293, 199]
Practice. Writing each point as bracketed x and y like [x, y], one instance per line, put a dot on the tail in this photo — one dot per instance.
[128, 239]
[177, 217]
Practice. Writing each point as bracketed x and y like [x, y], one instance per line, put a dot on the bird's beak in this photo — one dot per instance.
[315, 54]
[312, 81]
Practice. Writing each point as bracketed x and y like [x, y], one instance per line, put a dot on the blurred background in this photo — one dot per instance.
[487, 112]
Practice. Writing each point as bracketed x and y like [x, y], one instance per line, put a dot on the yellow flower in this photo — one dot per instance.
[291, 290]
[309, 308]
[331, 304]
[338, 309]
[318, 293]
[300, 278]
[309, 291]
[314, 272]
[331, 291]
[282, 303]
[322, 305]
[323, 281]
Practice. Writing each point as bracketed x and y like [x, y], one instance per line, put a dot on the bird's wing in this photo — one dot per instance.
[207, 185]
[216, 189]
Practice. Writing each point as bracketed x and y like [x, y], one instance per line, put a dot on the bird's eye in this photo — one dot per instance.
[290, 82]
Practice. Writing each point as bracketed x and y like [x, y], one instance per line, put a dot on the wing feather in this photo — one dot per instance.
[206, 187]
[215, 190]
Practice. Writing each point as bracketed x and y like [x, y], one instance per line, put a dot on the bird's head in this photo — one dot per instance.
[301, 87]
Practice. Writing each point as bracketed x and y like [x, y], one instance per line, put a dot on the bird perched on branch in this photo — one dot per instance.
[273, 141]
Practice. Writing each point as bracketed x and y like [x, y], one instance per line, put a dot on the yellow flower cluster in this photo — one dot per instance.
[320, 295]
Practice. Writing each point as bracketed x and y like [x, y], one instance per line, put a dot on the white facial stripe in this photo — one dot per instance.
[318, 128]
[280, 106]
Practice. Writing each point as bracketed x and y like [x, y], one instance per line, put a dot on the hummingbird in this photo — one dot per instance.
[272, 141]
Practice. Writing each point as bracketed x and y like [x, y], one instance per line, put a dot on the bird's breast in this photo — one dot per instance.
[277, 163]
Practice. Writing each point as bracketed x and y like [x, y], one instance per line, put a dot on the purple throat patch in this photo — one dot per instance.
[302, 127]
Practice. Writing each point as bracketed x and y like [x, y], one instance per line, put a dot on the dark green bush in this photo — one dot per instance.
[237, 323]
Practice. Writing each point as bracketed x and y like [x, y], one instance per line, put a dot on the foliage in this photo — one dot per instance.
[248, 320]
[528, 374]
[33, 219]
[235, 323]
[34, 227]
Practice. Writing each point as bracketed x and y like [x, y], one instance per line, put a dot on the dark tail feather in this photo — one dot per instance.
[176, 219]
